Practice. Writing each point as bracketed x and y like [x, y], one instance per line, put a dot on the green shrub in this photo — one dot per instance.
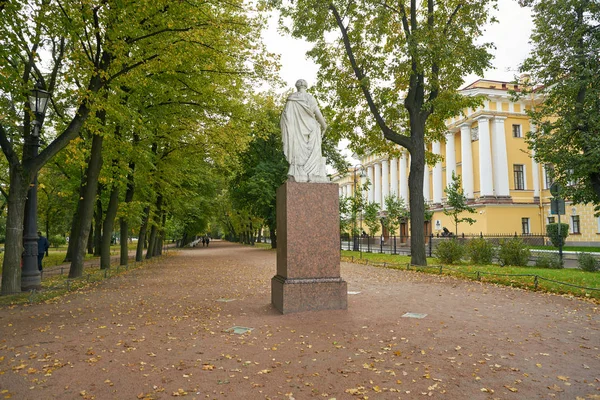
[552, 232]
[450, 251]
[480, 251]
[513, 252]
[548, 260]
[587, 262]
[57, 241]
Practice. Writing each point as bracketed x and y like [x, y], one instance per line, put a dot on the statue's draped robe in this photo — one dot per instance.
[301, 135]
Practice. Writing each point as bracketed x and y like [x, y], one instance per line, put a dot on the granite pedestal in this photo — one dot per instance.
[308, 249]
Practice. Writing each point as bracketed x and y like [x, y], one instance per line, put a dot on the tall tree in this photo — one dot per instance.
[394, 68]
[565, 76]
[93, 48]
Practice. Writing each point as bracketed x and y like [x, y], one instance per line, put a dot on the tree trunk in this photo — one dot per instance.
[98, 223]
[154, 229]
[139, 253]
[124, 224]
[87, 207]
[273, 237]
[107, 227]
[90, 241]
[417, 200]
[13, 247]
[75, 222]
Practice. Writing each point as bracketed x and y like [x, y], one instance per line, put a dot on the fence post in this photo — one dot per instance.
[384, 264]
[478, 276]
[535, 282]
[441, 269]
[68, 281]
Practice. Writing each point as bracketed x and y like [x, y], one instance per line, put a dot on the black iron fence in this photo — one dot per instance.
[401, 244]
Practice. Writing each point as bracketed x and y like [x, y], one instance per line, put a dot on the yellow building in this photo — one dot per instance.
[487, 148]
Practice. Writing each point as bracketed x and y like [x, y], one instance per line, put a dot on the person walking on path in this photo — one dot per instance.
[207, 239]
[43, 246]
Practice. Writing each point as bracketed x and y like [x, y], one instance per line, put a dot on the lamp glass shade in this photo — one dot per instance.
[38, 101]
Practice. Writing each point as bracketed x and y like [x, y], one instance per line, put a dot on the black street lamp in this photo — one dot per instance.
[355, 240]
[31, 277]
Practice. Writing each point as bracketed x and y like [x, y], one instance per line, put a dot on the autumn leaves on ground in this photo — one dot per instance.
[161, 333]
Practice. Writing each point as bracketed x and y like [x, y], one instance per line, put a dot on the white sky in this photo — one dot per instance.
[510, 35]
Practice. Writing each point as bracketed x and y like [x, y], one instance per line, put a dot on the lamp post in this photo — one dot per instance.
[355, 240]
[30, 275]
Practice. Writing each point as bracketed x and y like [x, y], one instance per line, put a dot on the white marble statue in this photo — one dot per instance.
[302, 129]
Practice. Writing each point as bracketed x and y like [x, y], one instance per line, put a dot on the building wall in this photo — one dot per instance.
[496, 214]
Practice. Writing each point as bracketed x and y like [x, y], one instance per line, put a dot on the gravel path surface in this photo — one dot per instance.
[159, 333]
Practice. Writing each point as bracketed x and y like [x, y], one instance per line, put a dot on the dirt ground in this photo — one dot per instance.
[159, 332]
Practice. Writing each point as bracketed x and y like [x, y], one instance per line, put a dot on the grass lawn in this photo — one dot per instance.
[578, 249]
[524, 277]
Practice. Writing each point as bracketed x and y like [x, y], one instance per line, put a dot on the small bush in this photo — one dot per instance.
[450, 251]
[552, 232]
[480, 251]
[587, 262]
[57, 241]
[513, 252]
[548, 260]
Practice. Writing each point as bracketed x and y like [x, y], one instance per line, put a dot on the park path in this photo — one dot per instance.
[160, 332]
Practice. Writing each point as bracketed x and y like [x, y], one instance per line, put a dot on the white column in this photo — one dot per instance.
[404, 176]
[486, 183]
[426, 183]
[385, 182]
[371, 195]
[377, 196]
[450, 158]
[467, 160]
[394, 176]
[500, 158]
[341, 191]
[437, 175]
[534, 169]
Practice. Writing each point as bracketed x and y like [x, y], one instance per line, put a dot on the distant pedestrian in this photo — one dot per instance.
[203, 241]
[207, 241]
[43, 246]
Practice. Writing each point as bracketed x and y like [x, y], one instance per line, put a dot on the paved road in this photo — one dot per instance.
[162, 333]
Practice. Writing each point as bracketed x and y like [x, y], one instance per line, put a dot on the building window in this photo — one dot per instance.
[519, 171]
[517, 131]
[575, 228]
[525, 226]
[549, 171]
[551, 220]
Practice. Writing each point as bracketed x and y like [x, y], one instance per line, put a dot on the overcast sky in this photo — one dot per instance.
[510, 35]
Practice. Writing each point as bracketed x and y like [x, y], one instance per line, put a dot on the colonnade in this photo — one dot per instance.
[390, 176]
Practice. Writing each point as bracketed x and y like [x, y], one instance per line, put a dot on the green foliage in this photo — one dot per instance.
[513, 252]
[372, 218]
[450, 251]
[552, 232]
[457, 202]
[565, 75]
[357, 204]
[345, 214]
[395, 212]
[588, 262]
[548, 260]
[480, 251]
[57, 240]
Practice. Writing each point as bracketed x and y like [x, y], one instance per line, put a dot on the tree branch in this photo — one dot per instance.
[7, 148]
[387, 131]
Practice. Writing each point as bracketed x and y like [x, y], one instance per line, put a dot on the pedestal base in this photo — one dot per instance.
[297, 295]
[308, 249]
